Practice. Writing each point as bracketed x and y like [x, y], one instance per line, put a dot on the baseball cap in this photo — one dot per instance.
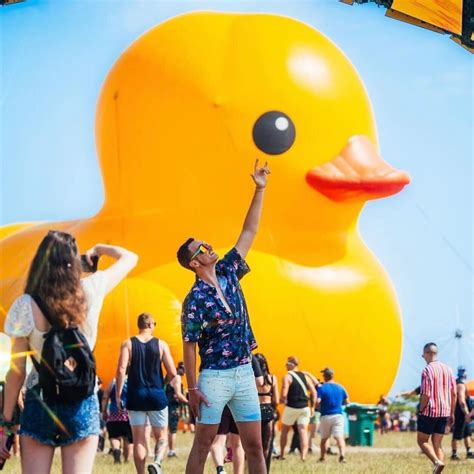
[327, 371]
[461, 372]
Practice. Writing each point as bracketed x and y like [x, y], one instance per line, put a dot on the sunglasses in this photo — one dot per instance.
[200, 250]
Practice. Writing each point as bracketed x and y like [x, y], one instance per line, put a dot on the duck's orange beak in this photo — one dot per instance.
[357, 173]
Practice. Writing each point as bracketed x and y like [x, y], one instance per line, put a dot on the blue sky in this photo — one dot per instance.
[55, 55]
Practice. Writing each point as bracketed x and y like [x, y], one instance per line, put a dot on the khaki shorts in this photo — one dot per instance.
[332, 424]
[299, 416]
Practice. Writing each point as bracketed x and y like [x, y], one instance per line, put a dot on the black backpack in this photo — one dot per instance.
[67, 372]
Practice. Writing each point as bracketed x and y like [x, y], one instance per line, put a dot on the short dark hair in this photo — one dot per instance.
[293, 360]
[184, 254]
[428, 345]
[144, 320]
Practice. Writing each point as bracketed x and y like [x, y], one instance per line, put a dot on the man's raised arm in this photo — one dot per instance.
[252, 219]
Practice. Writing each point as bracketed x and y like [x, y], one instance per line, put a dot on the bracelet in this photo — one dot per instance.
[7, 424]
[193, 388]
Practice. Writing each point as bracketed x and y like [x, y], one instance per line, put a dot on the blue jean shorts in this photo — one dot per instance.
[158, 418]
[233, 387]
[59, 424]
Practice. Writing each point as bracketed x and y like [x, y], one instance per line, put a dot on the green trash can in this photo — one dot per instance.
[361, 424]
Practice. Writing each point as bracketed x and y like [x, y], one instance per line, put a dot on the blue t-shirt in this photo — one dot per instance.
[225, 339]
[331, 395]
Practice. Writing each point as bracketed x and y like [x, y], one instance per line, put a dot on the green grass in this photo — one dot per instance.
[392, 453]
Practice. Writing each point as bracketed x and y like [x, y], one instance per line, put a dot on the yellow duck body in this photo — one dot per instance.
[175, 131]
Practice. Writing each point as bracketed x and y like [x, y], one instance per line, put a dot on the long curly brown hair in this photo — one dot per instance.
[54, 277]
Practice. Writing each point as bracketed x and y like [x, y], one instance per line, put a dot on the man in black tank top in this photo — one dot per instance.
[461, 429]
[294, 394]
[143, 356]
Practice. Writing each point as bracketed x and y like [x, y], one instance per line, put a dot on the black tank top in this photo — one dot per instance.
[297, 397]
[145, 377]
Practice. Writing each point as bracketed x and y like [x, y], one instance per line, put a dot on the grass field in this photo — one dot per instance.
[392, 453]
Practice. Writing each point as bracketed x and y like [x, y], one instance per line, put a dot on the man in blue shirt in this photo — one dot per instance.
[215, 317]
[331, 397]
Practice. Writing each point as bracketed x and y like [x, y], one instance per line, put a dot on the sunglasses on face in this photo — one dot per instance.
[200, 250]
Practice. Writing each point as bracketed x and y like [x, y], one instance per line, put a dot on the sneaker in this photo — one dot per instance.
[220, 470]
[171, 454]
[438, 467]
[455, 457]
[470, 455]
[331, 452]
[321, 460]
[154, 468]
[342, 460]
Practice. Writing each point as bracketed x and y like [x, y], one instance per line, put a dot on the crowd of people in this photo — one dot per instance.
[231, 400]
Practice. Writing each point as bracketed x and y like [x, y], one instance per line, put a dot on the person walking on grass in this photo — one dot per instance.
[437, 403]
[331, 398]
[461, 428]
[143, 356]
[294, 395]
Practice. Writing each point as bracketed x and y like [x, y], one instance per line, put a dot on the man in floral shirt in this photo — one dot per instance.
[215, 318]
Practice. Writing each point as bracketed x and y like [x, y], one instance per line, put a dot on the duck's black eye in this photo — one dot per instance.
[274, 133]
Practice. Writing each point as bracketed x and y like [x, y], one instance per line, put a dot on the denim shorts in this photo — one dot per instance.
[233, 387]
[158, 418]
[59, 424]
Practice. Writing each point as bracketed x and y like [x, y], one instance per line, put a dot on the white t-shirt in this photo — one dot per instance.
[20, 321]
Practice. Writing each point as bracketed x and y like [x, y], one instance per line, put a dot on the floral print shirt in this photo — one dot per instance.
[225, 339]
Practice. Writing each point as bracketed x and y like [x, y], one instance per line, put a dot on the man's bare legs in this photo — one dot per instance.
[283, 439]
[140, 448]
[160, 434]
[341, 445]
[424, 444]
[238, 454]
[437, 439]
[303, 432]
[203, 438]
[251, 437]
[324, 448]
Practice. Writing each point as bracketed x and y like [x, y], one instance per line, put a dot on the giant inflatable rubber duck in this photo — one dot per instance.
[181, 118]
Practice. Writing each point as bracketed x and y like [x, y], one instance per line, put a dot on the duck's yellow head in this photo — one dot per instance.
[188, 107]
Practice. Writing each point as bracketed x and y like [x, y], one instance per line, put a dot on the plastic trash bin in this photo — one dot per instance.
[361, 424]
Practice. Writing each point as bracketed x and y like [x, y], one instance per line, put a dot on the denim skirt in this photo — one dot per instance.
[59, 423]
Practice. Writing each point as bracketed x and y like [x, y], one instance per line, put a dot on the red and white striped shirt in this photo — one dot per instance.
[437, 383]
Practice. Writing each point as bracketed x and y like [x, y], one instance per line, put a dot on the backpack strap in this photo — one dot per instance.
[40, 303]
[298, 379]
